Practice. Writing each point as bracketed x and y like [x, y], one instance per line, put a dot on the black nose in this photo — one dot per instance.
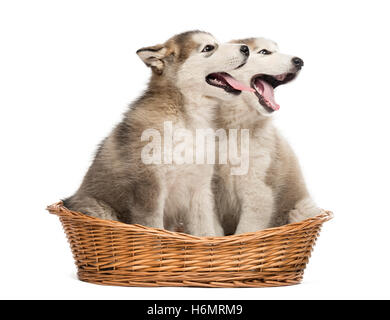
[245, 50]
[298, 62]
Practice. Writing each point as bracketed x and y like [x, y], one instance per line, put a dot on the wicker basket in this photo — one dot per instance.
[113, 253]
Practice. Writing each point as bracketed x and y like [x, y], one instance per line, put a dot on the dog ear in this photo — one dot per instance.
[153, 57]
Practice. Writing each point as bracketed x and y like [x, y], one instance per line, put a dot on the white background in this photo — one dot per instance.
[68, 70]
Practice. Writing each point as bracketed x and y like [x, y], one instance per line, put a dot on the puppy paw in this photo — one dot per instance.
[303, 210]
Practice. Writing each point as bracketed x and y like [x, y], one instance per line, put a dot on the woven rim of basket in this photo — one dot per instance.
[61, 211]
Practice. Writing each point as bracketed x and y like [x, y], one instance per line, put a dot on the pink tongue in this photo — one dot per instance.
[267, 91]
[235, 84]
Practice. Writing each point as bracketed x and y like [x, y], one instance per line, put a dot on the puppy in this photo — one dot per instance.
[124, 182]
[273, 192]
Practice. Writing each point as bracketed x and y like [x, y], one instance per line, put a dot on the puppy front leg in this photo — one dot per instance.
[257, 206]
[153, 219]
[201, 219]
[148, 201]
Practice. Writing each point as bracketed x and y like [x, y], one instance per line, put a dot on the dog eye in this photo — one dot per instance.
[265, 52]
[208, 48]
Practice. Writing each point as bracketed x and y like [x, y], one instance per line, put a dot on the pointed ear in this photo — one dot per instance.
[153, 57]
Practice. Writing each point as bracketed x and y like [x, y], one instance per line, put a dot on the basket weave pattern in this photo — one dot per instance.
[113, 253]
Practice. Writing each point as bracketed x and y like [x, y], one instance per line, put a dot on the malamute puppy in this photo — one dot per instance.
[189, 79]
[273, 192]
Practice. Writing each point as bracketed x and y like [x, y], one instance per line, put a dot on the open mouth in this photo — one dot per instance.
[226, 82]
[264, 86]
